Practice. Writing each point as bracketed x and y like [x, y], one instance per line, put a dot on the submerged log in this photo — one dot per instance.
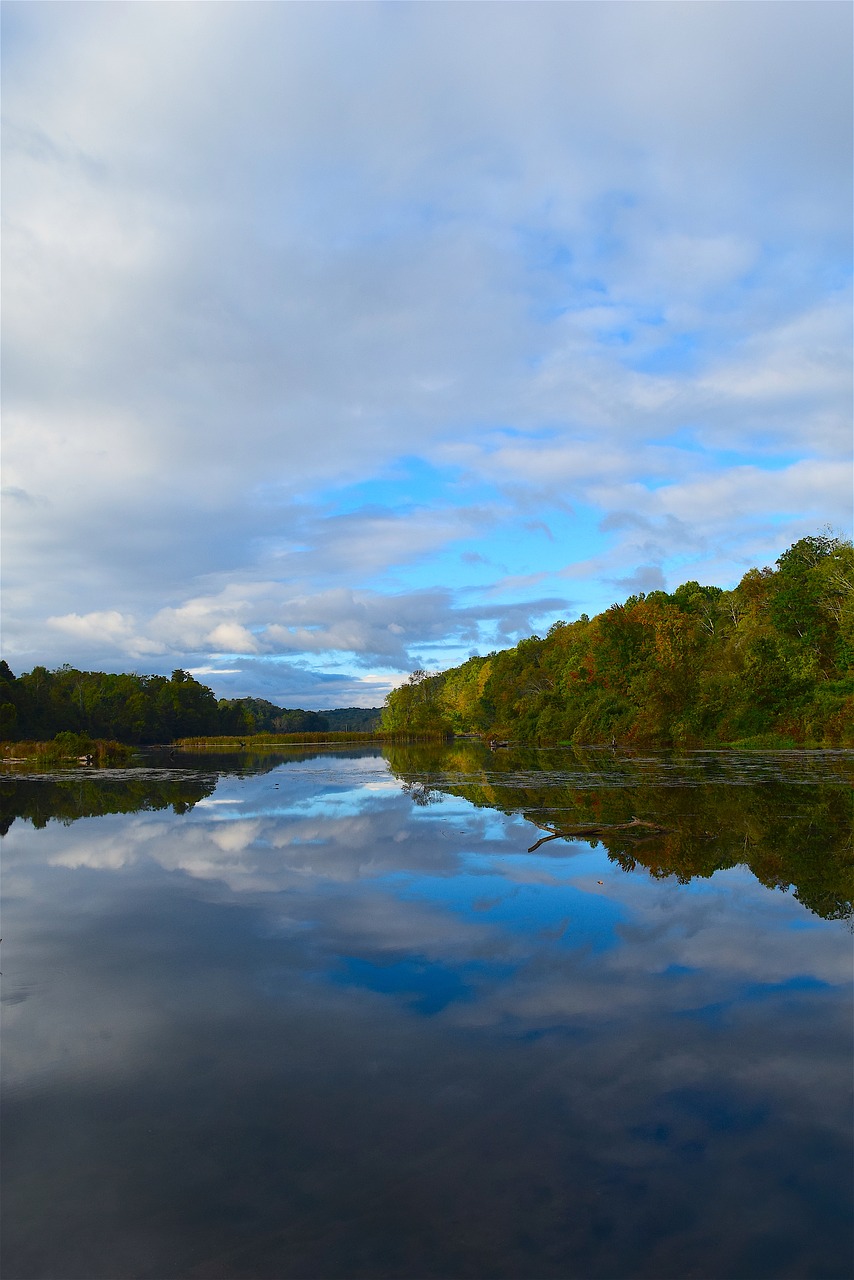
[597, 830]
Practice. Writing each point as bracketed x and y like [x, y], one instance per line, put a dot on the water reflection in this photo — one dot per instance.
[90, 793]
[302, 1023]
[788, 817]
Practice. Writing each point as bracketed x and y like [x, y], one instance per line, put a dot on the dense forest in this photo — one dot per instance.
[770, 662]
[142, 709]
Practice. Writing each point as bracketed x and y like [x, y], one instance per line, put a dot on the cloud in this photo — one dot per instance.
[104, 630]
[371, 627]
[647, 577]
[538, 251]
[215, 671]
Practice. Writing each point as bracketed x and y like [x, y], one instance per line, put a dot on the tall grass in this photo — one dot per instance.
[273, 741]
[66, 749]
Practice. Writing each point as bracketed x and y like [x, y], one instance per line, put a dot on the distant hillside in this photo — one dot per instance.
[266, 717]
[770, 662]
[257, 715]
[359, 719]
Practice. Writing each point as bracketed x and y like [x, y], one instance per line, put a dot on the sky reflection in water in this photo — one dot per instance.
[311, 1028]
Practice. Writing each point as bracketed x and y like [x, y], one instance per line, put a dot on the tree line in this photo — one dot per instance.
[770, 662]
[133, 708]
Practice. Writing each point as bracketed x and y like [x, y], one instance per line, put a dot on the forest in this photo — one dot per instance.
[134, 708]
[768, 663]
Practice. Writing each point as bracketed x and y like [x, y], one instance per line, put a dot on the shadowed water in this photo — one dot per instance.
[326, 1016]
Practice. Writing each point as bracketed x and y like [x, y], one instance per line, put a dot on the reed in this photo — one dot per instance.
[66, 749]
[275, 741]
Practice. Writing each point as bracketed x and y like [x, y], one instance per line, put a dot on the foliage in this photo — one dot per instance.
[415, 707]
[257, 715]
[128, 707]
[264, 743]
[136, 708]
[770, 661]
[359, 719]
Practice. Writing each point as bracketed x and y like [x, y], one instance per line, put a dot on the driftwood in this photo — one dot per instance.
[596, 830]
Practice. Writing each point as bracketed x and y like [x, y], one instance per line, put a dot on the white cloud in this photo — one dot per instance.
[537, 244]
[109, 628]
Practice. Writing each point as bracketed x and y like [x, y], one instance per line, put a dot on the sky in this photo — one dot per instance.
[341, 339]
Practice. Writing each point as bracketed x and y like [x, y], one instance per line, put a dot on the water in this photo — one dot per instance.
[324, 1016]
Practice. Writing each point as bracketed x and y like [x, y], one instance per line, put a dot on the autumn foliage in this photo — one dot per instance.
[770, 662]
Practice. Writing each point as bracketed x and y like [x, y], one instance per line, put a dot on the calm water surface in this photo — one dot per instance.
[321, 1017]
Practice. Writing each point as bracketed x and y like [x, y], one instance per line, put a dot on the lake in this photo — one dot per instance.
[355, 1013]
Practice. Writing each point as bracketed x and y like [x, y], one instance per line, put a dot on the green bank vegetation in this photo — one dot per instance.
[66, 749]
[261, 742]
[767, 664]
[133, 708]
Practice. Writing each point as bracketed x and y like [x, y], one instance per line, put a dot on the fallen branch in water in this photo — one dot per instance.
[596, 830]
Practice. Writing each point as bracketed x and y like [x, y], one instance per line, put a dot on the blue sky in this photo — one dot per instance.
[340, 339]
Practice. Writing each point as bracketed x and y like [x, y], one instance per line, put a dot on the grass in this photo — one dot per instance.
[766, 742]
[66, 749]
[273, 741]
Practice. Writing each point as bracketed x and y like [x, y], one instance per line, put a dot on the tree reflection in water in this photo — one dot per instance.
[787, 817]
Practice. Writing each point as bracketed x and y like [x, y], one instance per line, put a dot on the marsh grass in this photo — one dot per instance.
[66, 749]
[275, 741]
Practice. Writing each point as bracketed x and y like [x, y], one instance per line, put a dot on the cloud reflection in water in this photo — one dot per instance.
[314, 1029]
